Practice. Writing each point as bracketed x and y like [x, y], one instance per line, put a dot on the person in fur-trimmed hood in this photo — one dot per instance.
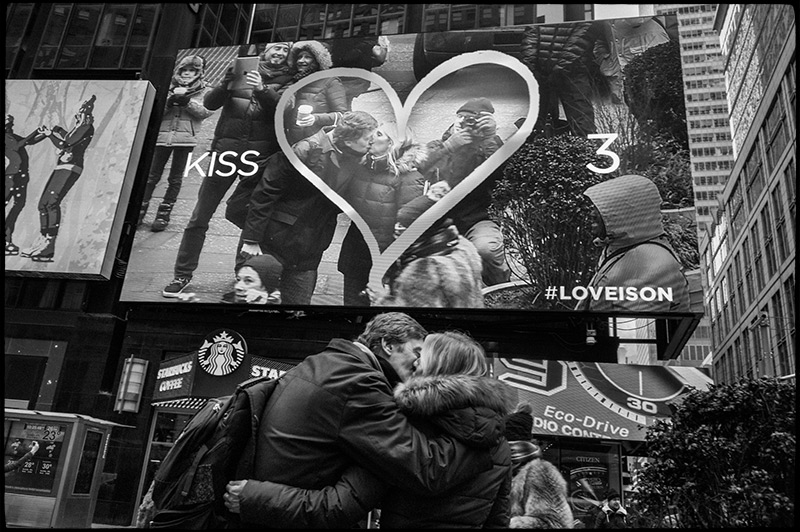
[538, 497]
[326, 96]
[450, 393]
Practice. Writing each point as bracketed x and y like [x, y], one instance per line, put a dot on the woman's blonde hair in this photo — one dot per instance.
[398, 145]
[452, 353]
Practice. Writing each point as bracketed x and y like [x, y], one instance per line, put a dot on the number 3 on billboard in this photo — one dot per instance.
[610, 137]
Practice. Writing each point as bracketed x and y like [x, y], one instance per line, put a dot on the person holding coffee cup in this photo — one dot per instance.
[319, 103]
[304, 116]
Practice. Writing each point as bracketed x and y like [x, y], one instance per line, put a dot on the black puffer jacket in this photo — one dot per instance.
[247, 119]
[547, 49]
[332, 418]
[326, 96]
[377, 194]
[288, 216]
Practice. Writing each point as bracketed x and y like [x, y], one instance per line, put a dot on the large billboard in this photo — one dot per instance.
[71, 153]
[528, 168]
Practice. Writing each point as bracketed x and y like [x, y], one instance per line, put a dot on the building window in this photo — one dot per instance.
[222, 25]
[769, 244]
[750, 372]
[758, 254]
[780, 222]
[789, 177]
[755, 175]
[47, 294]
[290, 22]
[96, 36]
[17, 18]
[780, 331]
[748, 275]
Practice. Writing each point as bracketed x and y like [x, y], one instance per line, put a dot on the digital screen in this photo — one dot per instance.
[464, 167]
[38, 472]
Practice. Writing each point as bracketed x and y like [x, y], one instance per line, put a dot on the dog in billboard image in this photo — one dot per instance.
[635, 251]
[71, 147]
[464, 146]
[17, 178]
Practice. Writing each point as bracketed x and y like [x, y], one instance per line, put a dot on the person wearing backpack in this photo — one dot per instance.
[451, 393]
[336, 411]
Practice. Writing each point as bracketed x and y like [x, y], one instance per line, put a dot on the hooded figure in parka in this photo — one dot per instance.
[465, 405]
[636, 252]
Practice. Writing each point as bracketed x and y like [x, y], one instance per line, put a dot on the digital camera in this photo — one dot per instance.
[469, 122]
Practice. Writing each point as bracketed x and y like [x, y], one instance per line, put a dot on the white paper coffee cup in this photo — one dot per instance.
[303, 112]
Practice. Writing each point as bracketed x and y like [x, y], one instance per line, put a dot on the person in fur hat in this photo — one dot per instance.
[449, 393]
[538, 497]
[326, 97]
[183, 117]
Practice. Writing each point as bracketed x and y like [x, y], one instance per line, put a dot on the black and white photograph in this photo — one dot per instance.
[430, 179]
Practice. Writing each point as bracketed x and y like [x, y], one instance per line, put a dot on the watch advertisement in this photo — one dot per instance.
[598, 400]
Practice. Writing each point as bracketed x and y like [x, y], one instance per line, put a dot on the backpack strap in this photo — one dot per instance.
[186, 485]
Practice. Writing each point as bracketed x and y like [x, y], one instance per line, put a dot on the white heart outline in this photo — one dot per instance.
[402, 112]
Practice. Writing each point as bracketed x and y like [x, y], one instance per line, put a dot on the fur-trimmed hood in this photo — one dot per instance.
[412, 157]
[472, 409]
[538, 497]
[315, 48]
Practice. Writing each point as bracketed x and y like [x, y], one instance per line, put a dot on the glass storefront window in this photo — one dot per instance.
[168, 425]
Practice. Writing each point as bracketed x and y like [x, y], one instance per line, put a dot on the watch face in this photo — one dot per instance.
[634, 392]
[587, 486]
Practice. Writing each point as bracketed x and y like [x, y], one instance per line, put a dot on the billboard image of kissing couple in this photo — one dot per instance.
[435, 170]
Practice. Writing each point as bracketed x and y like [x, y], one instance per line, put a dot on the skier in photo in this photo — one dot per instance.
[69, 167]
[17, 178]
